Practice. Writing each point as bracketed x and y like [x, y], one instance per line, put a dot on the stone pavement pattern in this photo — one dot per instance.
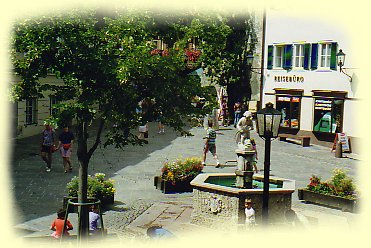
[138, 204]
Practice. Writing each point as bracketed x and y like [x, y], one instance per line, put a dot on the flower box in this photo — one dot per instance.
[98, 188]
[176, 175]
[168, 187]
[337, 202]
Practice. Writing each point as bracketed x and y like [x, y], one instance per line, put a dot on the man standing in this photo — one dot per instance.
[65, 145]
[47, 146]
[210, 144]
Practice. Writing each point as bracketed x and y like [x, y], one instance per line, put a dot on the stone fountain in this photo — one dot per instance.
[218, 198]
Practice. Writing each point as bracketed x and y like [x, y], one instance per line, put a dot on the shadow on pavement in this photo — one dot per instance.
[38, 193]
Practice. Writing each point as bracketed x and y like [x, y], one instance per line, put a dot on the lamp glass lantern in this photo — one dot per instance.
[249, 58]
[340, 57]
[269, 120]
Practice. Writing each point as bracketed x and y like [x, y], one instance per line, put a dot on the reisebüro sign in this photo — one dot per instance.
[289, 79]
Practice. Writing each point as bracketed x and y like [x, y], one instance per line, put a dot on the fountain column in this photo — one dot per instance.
[244, 171]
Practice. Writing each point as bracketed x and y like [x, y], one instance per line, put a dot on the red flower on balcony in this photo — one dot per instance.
[192, 54]
[165, 52]
[155, 52]
[160, 52]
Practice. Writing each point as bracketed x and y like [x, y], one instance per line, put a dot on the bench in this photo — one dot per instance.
[305, 140]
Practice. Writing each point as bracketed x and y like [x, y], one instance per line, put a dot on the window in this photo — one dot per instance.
[299, 55]
[53, 100]
[289, 106]
[328, 115]
[278, 56]
[325, 55]
[31, 111]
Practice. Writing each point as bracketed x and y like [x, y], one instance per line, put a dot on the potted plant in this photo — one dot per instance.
[337, 192]
[98, 188]
[176, 175]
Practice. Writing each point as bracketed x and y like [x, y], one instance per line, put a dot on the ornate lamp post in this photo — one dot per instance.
[340, 58]
[268, 122]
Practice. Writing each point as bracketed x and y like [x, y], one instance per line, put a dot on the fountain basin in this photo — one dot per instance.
[218, 204]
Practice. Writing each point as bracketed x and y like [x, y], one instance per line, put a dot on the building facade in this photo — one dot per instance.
[304, 81]
[28, 116]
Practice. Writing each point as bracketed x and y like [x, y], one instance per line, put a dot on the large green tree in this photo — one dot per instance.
[108, 63]
[105, 63]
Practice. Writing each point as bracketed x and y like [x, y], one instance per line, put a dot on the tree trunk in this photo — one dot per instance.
[83, 226]
[82, 198]
[84, 155]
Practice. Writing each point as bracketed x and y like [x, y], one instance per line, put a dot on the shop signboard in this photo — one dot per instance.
[343, 138]
[321, 104]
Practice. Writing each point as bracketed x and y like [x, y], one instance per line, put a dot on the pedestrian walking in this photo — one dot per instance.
[210, 144]
[47, 146]
[143, 129]
[58, 223]
[161, 127]
[224, 113]
[237, 112]
[65, 147]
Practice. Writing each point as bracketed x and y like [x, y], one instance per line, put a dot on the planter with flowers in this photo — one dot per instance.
[177, 175]
[338, 192]
[98, 188]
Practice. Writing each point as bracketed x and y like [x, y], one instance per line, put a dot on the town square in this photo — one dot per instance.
[130, 123]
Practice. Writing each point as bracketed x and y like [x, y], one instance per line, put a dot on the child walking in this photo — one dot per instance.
[210, 144]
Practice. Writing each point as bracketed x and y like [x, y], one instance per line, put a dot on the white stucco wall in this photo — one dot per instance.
[283, 27]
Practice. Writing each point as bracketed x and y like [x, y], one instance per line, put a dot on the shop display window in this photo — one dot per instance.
[289, 106]
[328, 115]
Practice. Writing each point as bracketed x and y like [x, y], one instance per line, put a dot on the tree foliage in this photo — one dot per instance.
[106, 63]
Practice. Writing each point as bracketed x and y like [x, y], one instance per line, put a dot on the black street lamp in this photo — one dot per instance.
[268, 123]
[340, 58]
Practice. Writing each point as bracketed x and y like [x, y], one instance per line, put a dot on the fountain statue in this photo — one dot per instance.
[245, 152]
[244, 126]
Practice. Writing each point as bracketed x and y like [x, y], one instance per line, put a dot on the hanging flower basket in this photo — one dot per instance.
[192, 54]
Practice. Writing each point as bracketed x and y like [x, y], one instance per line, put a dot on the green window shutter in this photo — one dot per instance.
[306, 56]
[314, 57]
[334, 47]
[287, 57]
[270, 57]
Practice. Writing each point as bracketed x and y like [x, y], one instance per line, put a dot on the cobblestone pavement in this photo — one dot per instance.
[39, 194]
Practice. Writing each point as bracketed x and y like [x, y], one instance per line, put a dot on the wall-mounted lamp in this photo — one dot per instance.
[340, 58]
[250, 59]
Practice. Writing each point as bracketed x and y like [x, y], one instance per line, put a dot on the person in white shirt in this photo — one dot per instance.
[249, 213]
